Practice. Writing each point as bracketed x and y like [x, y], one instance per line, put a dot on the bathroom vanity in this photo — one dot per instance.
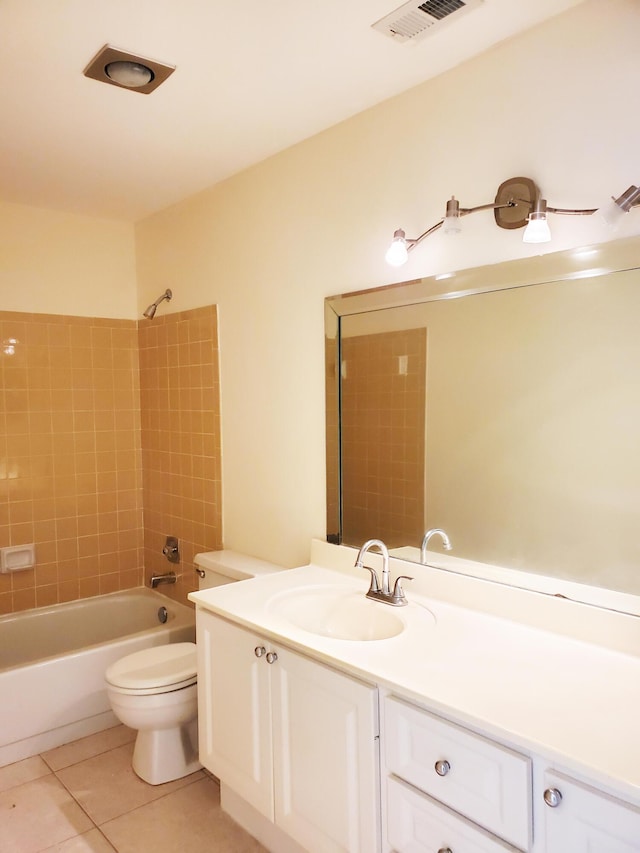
[478, 719]
[295, 739]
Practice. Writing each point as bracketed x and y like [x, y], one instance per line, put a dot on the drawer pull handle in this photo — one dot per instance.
[272, 657]
[552, 797]
[259, 651]
[442, 767]
[445, 850]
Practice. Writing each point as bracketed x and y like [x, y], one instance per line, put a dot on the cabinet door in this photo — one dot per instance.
[325, 756]
[587, 821]
[234, 710]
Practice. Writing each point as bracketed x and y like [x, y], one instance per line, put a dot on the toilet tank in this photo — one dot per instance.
[219, 567]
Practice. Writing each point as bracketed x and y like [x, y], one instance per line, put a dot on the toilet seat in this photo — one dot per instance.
[160, 669]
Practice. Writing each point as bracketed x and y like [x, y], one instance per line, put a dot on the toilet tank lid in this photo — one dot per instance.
[234, 565]
[158, 666]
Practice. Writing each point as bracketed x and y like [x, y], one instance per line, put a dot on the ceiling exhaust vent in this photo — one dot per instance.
[414, 20]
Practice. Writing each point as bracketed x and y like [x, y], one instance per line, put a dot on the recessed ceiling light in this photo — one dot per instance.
[127, 71]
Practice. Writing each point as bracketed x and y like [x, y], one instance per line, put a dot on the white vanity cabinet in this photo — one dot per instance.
[579, 819]
[295, 739]
[449, 789]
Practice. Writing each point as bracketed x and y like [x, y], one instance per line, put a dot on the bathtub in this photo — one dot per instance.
[53, 660]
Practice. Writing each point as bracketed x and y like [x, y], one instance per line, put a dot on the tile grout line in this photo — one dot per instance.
[77, 802]
[198, 775]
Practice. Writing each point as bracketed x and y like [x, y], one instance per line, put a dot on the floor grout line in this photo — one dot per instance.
[149, 802]
[94, 825]
[100, 832]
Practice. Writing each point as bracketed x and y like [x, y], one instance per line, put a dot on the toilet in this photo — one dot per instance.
[155, 690]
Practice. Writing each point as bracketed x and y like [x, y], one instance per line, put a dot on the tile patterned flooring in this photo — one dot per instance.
[85, 798]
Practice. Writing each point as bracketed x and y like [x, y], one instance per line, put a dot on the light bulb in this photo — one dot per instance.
[397, 253]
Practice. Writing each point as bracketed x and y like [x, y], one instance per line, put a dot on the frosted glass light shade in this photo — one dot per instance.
[452, 224]
[537, 231]
[611, 214]
[397, 253]
[129, 74]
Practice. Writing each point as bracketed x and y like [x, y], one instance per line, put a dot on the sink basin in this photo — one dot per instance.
[333, 611]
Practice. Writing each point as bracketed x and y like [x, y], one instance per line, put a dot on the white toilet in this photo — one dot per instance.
[155, 690]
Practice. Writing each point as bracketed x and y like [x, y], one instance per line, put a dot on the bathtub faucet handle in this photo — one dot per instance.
[171, 550]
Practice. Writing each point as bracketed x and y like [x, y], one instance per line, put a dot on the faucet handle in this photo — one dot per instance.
[374, 586]
[398, 595]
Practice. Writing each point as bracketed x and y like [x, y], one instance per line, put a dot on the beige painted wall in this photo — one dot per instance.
[61, 263]
[268, 245]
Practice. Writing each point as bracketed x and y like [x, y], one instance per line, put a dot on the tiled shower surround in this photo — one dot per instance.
[181, 457]
[75, 435]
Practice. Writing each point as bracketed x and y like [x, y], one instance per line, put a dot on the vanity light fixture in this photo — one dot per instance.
[126, 70]
[517, 204]
[398, 252]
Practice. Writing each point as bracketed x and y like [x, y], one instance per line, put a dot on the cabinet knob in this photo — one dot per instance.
[442, 767]
[445, 850]
[552, 797]
[259, 651]
[272, 657]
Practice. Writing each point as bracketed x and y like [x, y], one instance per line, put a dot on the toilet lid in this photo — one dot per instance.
[159, 666]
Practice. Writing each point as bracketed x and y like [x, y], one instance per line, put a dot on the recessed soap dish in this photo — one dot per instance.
[15, 558]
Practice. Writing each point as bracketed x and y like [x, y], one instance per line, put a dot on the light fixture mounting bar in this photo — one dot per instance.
[414, 242]
[463, 211]
[569, 211]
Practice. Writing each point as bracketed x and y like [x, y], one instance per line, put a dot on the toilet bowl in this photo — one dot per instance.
[155, 690]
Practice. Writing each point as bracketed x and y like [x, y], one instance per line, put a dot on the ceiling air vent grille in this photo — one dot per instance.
[414, 20]
[441, 8]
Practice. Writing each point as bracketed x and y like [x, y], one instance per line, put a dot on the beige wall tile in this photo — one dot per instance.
[178, 396]
[88, 404]
[59, 424]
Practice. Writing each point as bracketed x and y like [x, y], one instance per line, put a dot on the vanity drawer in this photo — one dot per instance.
[418, 824]
[482, 780]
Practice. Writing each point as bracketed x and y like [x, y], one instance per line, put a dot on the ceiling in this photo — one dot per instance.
[251, 79]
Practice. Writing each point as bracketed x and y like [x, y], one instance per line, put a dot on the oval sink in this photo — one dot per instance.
[333, 611]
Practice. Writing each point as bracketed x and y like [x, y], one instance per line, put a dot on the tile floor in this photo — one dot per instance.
[85, 798]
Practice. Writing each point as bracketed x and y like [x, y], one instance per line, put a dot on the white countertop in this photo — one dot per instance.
[574, 703]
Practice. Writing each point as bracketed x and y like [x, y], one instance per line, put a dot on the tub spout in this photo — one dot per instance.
[156, 580]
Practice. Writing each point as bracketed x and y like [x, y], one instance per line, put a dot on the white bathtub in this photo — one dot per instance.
[53, 660]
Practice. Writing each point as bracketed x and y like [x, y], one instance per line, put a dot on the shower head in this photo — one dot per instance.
[151, 310]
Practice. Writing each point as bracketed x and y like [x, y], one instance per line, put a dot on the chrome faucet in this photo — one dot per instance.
[381, 591]
[156, 580]
[427, 536]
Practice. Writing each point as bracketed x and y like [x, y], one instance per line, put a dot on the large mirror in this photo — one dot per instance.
[500, 404]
